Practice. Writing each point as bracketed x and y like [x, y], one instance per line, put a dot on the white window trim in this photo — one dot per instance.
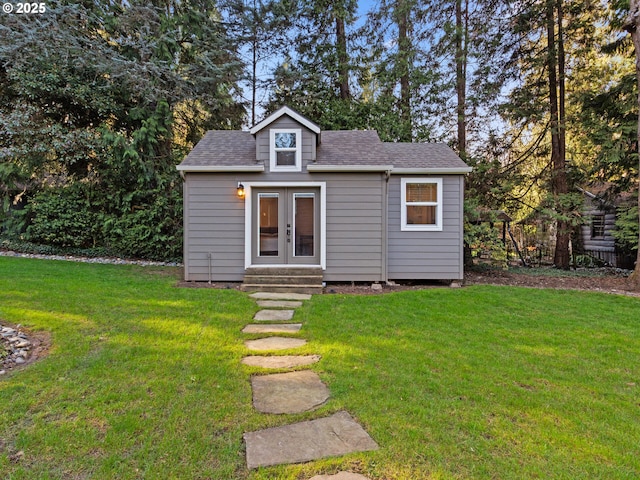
[437, 227]
[274, 167]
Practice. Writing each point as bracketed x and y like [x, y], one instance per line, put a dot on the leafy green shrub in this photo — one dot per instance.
[626, 231]
[62, 217]
[153, 232]
[479, 234]
[587, 261]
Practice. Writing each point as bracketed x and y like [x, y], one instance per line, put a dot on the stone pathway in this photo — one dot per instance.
[294, 392]
[336, 435]
[282, 328]
[303, 391]
[274, 343]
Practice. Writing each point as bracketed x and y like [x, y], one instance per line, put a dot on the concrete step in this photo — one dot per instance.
[284, 279]
[280, 288]
[284, 271]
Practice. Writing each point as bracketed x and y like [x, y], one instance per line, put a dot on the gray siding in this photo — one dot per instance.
[308, 141]
[355, 229]
[214, 223]
[427, 255]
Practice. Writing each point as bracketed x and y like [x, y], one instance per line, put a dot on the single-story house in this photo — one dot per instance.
[286, 195]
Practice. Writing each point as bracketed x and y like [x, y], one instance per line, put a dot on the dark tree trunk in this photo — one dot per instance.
[461, 77]
[404, 56]
[559, 184]
[254, 78]
[343, 59]
[631, 26]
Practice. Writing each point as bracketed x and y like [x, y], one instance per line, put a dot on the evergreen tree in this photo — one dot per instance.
[89, 104]
[631, 25]
[551, 37]
[316, 76]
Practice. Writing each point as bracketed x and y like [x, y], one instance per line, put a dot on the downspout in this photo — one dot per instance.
[185, 227]
[210, 257]
[385, 227]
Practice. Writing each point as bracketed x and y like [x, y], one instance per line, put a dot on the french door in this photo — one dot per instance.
[286, 226]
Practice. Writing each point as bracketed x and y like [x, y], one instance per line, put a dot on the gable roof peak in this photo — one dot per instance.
[285, 111]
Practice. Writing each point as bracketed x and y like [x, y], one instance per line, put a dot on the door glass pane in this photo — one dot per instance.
[268, 224]
[304, 226]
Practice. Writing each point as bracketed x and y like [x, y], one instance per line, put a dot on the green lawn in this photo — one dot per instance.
[144, 379]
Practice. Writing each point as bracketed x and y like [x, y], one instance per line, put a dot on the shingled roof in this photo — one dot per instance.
[222, 148]
[423, 155]
[351, 147]
[229, 150]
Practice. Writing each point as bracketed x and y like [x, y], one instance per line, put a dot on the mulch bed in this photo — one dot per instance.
[610, 282]
[606, 280]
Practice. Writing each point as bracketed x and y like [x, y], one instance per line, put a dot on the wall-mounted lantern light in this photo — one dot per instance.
[240, 190]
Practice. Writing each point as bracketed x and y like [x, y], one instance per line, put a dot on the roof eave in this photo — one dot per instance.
[432, 171]
[349, 168]
[219, 168]
[279, 113]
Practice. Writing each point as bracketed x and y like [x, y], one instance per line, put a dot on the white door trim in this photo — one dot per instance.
[248, 217]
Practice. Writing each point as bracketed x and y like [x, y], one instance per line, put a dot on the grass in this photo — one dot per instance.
[144, 379]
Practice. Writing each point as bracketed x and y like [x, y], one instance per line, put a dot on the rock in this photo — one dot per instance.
[279, 304]
[271, 328]
[293, 392]
[280, 361]
[19, 360]
[336, 435]
[274, 343]
[273, 315]
[376, 286]
[2, 372]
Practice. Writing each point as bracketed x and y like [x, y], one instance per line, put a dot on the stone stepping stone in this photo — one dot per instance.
[332, 436]
[273, 315]
[280, 361]
[278, 304]
[293, 392]
[341, 476]
[274, 343]
[280, 296]
[281, 328]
